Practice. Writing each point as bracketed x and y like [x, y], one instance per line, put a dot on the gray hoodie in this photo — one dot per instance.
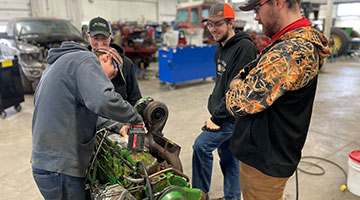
[72, 93]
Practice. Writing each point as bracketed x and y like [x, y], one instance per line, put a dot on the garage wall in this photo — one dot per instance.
[13, 8]
[81, 11]
[122, 10]
[352, 20]
[338, 21]
[167, 10]
[349, 22]
[61, 9]
[45, 8]
[341, 21]
[141, 11]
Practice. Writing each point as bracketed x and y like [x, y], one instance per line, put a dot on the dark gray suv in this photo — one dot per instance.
[29, 39]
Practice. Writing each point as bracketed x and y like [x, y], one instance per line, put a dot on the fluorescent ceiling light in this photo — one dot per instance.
[238, 1]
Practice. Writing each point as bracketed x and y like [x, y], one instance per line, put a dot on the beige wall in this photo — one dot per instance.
[142, 11]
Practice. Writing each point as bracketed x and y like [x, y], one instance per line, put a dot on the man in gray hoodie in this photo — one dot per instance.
[72, 93]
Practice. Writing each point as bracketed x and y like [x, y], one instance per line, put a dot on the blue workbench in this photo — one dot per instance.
[186, 63]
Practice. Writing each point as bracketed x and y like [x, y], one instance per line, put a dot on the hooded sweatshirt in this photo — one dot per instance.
[72, 93]
[273, 102]
[229, 59]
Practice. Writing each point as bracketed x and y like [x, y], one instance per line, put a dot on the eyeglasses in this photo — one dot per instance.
[217, 24]
[114, 63]
[257, 6]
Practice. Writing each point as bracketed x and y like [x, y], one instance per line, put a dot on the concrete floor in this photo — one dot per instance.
[334, 132]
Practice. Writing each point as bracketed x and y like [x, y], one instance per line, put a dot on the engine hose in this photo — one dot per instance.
[141, 180]
[96, 153]
[146, 177]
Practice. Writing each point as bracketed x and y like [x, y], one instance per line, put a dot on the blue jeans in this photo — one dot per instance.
[57, 186]
[202, 161]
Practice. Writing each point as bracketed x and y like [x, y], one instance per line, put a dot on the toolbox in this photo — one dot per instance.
[186, 63]
[11, 91]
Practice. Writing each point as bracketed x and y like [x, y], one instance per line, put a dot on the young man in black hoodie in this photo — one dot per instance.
[234, 50]
[99, 35]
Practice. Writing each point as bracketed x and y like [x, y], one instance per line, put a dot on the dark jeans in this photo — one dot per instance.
[202, 161]
[57, 186]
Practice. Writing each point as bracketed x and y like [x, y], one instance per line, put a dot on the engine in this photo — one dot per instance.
[153, 170]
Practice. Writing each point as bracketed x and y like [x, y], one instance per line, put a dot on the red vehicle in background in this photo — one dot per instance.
[260, 40]
[138, 43]
[189, 18]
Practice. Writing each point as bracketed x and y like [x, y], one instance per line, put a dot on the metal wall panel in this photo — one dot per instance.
[13, 8]
[122, 10]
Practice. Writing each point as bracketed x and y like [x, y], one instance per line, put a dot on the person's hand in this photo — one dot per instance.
[123, 132]
[210, 125]
[234, 82]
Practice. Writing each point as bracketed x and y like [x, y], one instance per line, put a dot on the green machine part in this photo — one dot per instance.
[141, 104]
[115, 165]
[182, 193]
[165, 180]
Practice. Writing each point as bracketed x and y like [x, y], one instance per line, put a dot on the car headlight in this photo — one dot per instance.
[30, 57]
[27, 48]
[28, 53]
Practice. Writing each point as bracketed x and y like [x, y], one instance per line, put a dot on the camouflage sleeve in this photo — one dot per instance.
[286, 67]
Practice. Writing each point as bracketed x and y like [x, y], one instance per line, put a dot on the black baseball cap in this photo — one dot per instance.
[249, 5]
[99, 25]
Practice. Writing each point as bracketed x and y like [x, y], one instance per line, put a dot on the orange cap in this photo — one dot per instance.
[220, 11]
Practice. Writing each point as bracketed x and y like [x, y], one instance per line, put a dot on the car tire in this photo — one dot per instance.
[340, 38]
[2, 114]
[17, 108]
[26, 84]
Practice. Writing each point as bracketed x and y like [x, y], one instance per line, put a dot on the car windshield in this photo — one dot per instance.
[182, 15]
[46, 27]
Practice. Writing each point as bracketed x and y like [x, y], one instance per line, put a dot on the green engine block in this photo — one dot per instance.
[118, 173]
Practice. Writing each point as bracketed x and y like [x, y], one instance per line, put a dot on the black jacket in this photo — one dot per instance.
[229, 60]
[130, 92]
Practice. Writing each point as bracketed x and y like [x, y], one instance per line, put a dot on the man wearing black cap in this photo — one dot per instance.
[99, 34]
[272, 98]
[234, 50]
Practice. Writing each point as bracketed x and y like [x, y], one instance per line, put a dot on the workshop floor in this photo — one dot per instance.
[334, 132]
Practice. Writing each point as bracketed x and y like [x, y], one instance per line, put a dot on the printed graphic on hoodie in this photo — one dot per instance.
[221, 67]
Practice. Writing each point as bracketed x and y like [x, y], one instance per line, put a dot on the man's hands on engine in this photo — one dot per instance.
[123, 132]
[124, 129]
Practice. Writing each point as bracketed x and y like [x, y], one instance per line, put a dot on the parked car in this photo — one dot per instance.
[29, 39]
